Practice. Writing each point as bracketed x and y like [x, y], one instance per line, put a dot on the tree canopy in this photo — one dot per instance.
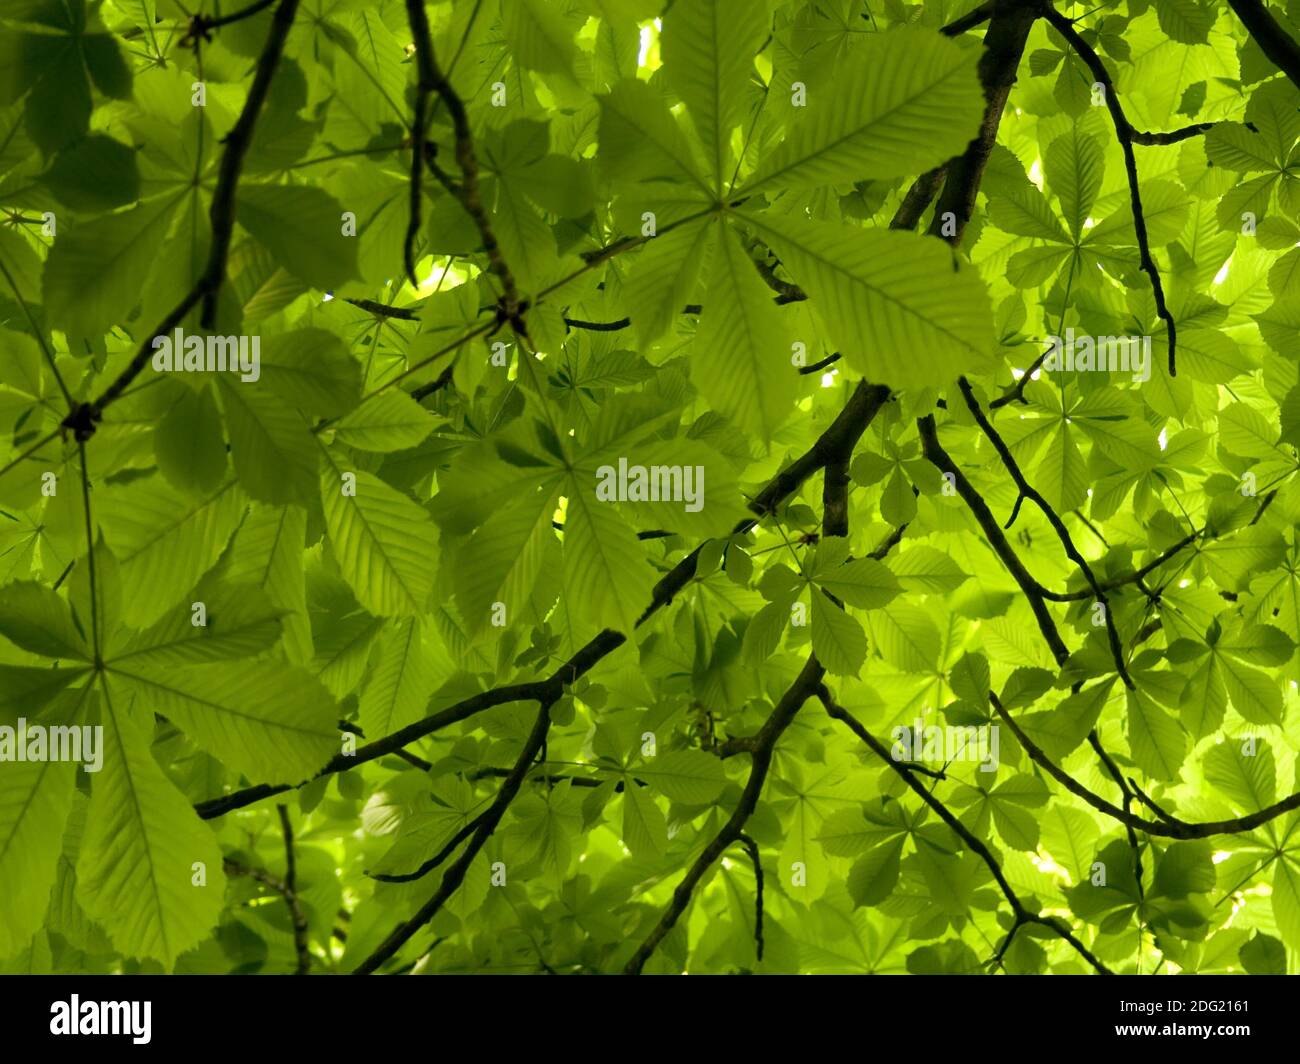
[591, 486]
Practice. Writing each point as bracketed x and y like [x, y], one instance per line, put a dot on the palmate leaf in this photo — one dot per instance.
[688, 197]
[878, 294]
[149, 870]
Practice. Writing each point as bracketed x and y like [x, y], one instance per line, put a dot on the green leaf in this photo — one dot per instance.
[538, 36]
[262, 719]
[863, 582]
[742, 349]
[25, 689]
[645, 831]
[35, 797]
[903, 102]
[926, 570]
[1186, 21]
[877, 292]
[1263, 955]
[397, 692]
[604, 567]
[906, 637]
[36, 619]
[312, 370]
[391, 421]
[163, 540]
[662, 277]
[838, 639]
[1286, 900]
[236, 622]
[267, 554]
[144, 851]
[1185, 868]
[691, 777]
[1073, 166]
[873, 876]
[271, 446]
[189, 444]
[639, 138]
[302, 227]
[1245, 773]
[95, 173]
[708, 52]
[96, 270]
[1245, 431]
[1252, 693]
[384, 543]
[1155, 739]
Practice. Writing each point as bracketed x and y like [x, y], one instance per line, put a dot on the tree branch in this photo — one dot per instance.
[1171, 828]
[799, 692]
[1280, 47]
[1004, 43]
[832, 451]
[844, 431]
[1175, 136]
[85, 417]
[285, 887]
[484, 828]
[432, 79]
[1124, 132]
[291, 896]
[1027, 491]
[1021, 914]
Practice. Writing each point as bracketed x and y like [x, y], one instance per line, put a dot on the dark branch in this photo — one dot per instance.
[1174, 136]
[84, 418]
[1171, 828]
[1280, 47]
[1027, 491]
[484, 828]
[1021, 914]
[1124, 131]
